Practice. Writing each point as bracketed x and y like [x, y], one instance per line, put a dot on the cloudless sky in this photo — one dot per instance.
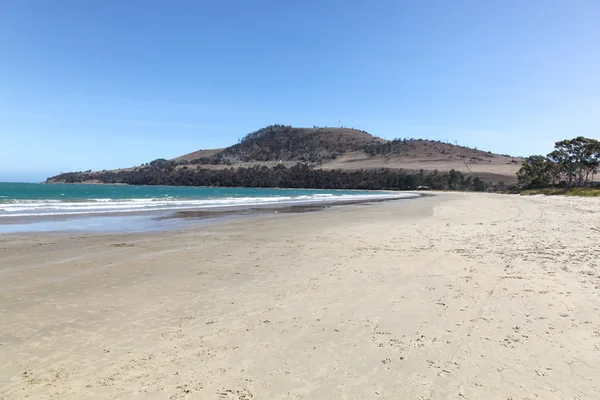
[113, 83]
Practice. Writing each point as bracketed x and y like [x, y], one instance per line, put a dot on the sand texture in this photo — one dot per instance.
[458, 296]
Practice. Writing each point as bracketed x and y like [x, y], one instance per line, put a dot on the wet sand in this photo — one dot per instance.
[458, 296]
[161, 220]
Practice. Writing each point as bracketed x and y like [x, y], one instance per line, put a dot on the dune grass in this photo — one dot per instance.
[581, 192]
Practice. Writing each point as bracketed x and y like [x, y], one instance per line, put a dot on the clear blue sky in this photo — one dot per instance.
[106, 84]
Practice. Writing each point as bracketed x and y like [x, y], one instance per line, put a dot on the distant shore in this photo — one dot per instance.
[88, 182]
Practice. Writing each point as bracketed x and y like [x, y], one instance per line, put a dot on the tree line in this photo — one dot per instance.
[572, 163]
[301, 175]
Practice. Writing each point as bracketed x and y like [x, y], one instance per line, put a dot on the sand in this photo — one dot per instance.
[458, 296]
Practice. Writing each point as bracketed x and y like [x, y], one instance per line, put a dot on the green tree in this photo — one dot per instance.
[576, 160]
[536, 171]
[478, 185]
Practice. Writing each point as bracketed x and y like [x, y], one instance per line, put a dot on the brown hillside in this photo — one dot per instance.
[430, 155]
[351, 149]
[285, 143]
[342, 136]
[197, 154]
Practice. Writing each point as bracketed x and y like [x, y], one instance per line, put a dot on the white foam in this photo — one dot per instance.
[23, 208]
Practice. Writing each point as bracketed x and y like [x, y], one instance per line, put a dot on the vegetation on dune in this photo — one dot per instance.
[576, 191]
[571, 166]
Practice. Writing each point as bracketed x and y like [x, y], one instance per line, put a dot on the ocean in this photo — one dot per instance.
[49, 206]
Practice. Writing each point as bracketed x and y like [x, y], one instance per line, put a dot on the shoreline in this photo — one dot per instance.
[34, 201]
[128, 220]
[457, 295]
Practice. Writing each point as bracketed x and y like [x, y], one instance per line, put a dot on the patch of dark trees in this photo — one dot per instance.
[165, 172]
[282, 143]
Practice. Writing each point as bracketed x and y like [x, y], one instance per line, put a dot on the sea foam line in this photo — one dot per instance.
[42, 208]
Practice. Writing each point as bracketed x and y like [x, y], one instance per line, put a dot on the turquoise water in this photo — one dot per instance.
[73, 192]
[29, 199]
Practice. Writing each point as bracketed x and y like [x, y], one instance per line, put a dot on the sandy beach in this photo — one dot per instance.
[456, 296]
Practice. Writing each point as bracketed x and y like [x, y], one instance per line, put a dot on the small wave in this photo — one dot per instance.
[98, 206]
[19, 201]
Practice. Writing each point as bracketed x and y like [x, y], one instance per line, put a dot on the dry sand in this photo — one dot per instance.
[459, 296]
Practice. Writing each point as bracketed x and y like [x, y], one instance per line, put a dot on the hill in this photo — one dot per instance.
[197, 154]
[415, 154]
[351, 149]
[284, 156]
[285, 143]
